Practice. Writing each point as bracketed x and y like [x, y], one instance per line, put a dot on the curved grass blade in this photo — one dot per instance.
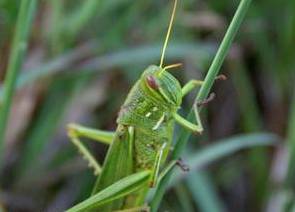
[225, 148]
[115, 191]
[203, 192]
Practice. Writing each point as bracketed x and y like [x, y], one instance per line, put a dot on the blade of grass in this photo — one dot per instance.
[56, 29]
[251, 122]
[204, 91]
[18, 49]
[114, 191]
[184, 198]
[203, 193]
[291, 144]
[224, 148]
[81, 16]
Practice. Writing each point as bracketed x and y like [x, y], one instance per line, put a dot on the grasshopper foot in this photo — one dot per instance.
[221, 77]
[206, 101]
[184, 167]
[72, 130]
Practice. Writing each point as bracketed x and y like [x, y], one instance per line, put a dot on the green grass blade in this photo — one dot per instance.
[81, 16]
[203, 192]
[204, 91]
[198, 184]
[224, 148]
[56, 28]
[251, 122]
[119, 189]
[19, 46]
[291, 146]
[184, 198]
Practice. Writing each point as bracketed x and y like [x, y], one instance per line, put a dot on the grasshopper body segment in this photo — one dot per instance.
[148, 111]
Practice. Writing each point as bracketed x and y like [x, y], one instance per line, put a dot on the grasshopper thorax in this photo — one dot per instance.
[161, 84]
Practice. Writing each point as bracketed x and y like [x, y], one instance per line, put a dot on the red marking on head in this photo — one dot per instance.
[151, 81]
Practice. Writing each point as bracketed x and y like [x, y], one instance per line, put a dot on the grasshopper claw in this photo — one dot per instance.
[206, 101]
[184, 167]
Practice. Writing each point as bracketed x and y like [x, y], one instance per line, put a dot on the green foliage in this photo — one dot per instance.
[17, 53]
[82, 58]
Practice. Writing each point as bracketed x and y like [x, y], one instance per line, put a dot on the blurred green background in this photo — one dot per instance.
[84, 55]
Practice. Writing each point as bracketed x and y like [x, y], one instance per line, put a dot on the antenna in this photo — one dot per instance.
[168, 33]
[172, 66]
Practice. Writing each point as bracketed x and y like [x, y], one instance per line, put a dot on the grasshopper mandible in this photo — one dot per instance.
[142, 140]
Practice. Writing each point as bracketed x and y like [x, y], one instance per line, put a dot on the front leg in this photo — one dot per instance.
[190, 86]
[156, 176]
[198, 127]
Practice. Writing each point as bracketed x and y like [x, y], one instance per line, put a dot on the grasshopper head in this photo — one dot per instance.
[162, 85]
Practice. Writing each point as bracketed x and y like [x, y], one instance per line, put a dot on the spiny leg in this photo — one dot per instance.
[85, 152]
[118, 189]
[156, 168]
[198, 127]
[168, 168]
[156, 175]
[75, 131]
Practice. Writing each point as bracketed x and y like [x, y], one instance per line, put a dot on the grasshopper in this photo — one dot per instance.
[141, 143]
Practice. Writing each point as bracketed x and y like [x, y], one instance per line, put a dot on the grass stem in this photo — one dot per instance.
[203, 93]
[18, 49]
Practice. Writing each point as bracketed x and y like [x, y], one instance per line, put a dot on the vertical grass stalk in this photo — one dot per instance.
[203, 93]
[18, 49]
[291, 147]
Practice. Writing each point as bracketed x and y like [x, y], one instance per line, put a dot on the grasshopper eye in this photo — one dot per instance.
[151, 81]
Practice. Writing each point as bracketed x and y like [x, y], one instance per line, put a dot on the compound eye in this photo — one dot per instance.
[151, 81]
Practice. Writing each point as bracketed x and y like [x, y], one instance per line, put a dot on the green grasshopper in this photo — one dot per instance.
[141, 143]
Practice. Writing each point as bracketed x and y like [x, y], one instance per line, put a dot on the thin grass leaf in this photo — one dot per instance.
[291, 144]
[114, 191]
[251, 122]
[203, 192]
[18, 50]
[184, 198]
[204, 91]
[80, 17]
[55, 34]
[224, 148]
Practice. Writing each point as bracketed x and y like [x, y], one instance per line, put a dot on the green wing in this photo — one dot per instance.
[118, 164]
